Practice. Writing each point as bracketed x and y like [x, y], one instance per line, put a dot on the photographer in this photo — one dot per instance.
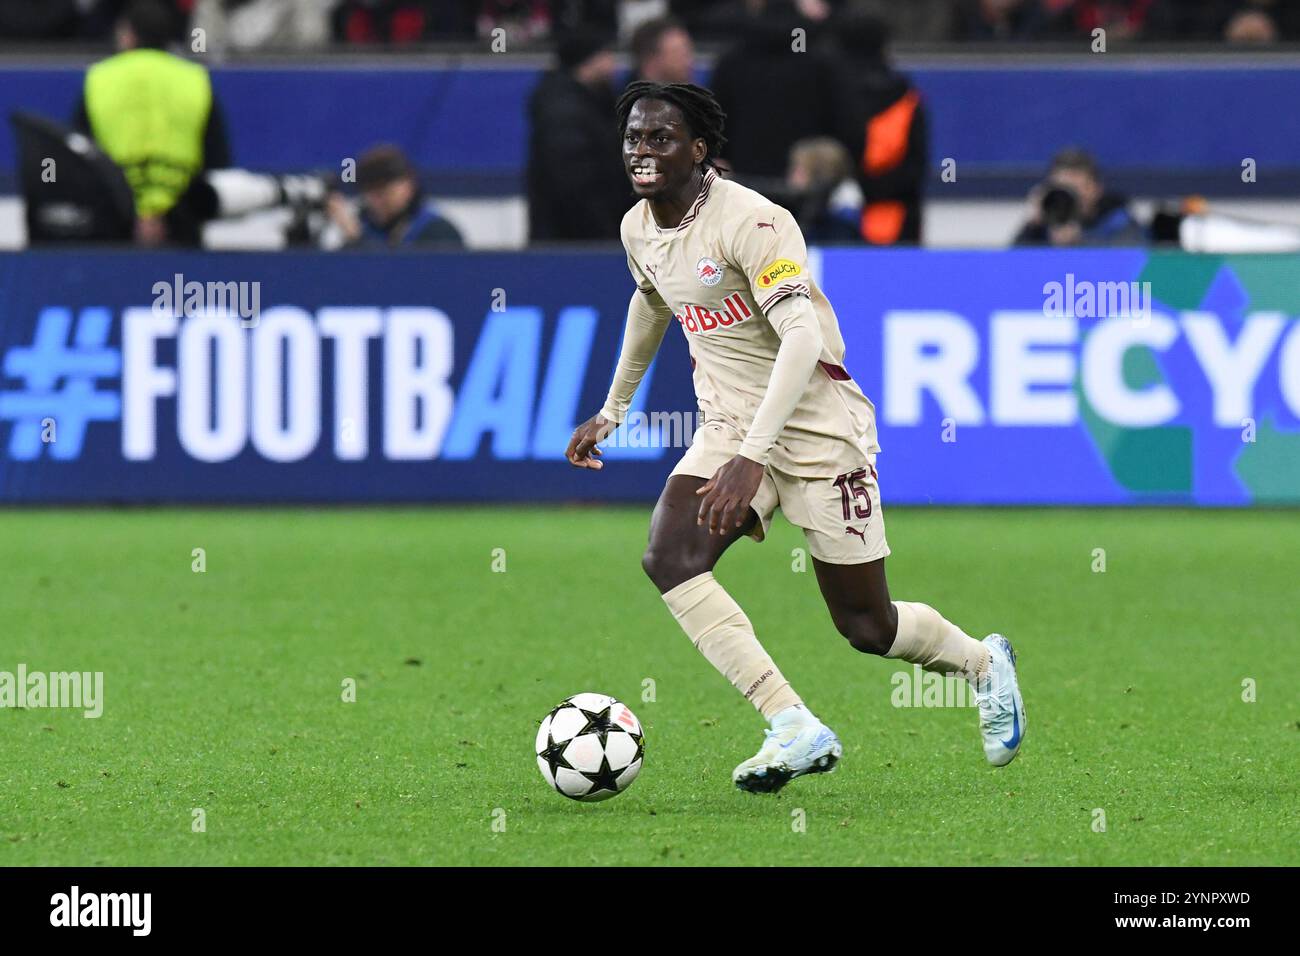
[1071, 207]
[393, 210]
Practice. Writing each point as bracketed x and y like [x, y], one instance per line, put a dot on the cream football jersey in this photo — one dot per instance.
[734, 256]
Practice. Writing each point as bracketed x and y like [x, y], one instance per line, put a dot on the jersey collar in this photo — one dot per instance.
[691, 214]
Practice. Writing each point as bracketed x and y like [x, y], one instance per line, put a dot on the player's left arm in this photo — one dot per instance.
[777, 267]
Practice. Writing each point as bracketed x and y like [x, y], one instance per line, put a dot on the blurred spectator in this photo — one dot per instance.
[394, 211]
[887, 135]
[155, 115]
[395, 22]
[528, 20]
[773, 95]
[38, 19]
[525, 21]
[1286, 14]
[1251, 26]
[1195, 20]
[999, 20]
[601, 15]
[662, 52]
[263, 24]
[823, 195]
[707, 19]
[1121, 19]
[918, 21]
[522, 20]
[717, 20]
[1237, 21]
[1072, 207]
[98, 18]
[633, 13]
[577, 188]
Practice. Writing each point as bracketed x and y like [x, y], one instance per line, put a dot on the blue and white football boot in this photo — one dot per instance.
[797, 744]
[1002, 710]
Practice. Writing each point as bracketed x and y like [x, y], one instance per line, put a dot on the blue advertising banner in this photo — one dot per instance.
[311, 377]
[1012, 377]
[1081, 376]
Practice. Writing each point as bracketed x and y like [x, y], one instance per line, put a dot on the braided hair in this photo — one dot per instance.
[704, 116]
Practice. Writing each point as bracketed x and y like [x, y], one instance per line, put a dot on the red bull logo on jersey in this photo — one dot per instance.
[777, 272]
[709, 271]
[701, 321]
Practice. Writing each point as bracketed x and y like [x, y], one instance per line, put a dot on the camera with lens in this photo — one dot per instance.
[1059, 205]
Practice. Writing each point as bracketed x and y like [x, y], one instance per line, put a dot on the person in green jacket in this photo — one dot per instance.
[156, 116]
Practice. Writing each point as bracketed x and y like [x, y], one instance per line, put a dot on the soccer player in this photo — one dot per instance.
[784, 424]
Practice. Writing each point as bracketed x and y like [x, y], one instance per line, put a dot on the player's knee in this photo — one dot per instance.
[868, 632]
[669, 567]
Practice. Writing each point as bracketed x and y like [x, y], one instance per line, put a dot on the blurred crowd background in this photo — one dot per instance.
[317, 24]
[821, 117]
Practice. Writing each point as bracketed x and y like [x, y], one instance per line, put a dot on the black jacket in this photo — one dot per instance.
[773, 98]
[877, 89]
[576, 185]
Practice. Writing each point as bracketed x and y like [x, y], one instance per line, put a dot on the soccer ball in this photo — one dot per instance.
[590, 747]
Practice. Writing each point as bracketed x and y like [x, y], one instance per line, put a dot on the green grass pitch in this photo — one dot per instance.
[223, 691]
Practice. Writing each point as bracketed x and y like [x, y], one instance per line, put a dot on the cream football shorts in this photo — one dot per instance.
[840, 515]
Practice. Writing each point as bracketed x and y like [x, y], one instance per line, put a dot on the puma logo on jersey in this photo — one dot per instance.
[698, 319]
[766, 225]
[860, 534]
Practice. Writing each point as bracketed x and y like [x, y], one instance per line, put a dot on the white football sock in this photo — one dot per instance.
[720, 630]
[924, 637]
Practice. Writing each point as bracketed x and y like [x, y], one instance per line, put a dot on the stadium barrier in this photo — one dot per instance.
[1011, 377]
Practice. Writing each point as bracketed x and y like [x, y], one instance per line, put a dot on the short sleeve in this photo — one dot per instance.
[769, 249]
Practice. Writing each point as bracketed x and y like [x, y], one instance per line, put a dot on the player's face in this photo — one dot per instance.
[658, 152]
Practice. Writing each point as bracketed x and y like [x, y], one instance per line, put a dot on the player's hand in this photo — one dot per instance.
[582, 451]
[150, 231]
[728, 493]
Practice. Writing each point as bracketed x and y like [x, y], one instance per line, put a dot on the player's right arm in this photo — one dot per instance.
[647, 320]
